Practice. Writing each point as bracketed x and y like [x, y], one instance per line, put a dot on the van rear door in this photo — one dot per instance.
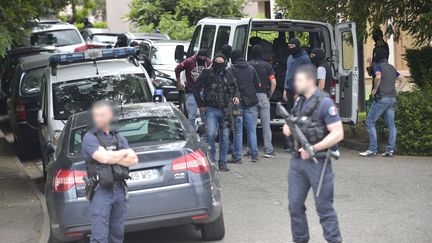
[348, 72]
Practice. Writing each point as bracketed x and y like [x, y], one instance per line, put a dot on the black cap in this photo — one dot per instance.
[257, 52]
[235, 55]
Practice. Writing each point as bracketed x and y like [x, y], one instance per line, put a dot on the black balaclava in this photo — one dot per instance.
[201, 53]
[226, 51]
[236, 55]
[257, 52]
[381, 53]
[121, 40]
[218, 67]
[297, 49]
[317, 56]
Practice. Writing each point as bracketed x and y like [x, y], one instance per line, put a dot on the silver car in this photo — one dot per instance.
[175, 182]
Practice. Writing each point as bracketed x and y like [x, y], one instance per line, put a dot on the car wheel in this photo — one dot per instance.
[214, 231]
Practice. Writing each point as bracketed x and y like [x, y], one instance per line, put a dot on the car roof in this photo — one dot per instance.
[168, 42]
[29, 50]
[87, 69]
[52, 27]
[35, 61]
[140, 35]
[219, 21]
[149, 109]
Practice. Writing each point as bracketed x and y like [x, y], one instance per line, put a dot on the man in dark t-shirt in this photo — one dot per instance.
[264, 89]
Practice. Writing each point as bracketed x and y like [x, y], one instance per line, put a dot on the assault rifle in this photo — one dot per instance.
[298, 135]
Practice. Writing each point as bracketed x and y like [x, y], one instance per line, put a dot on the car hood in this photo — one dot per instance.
[168, 70]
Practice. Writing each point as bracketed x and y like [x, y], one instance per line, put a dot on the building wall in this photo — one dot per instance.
[116, 10]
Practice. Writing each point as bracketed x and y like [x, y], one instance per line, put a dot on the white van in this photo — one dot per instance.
[339, 44]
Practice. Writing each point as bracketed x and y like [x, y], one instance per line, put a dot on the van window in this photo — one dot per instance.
[193, 49]
[208, 38]
[240, 36]
[222, 38]
[347, 50]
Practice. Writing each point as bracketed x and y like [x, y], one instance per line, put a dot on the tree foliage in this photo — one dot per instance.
[17, 17]
[412, 16]
[177, 17]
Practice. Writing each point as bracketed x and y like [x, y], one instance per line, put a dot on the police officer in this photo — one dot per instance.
[219, 92]
[320, 122]
[108, 157]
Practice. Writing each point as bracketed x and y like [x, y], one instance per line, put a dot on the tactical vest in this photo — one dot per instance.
[308, 117]
[106, 174]
[217, 91]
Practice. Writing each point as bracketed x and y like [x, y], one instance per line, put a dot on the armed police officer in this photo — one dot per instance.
[219, 93]
[318, 118]
[108, 158]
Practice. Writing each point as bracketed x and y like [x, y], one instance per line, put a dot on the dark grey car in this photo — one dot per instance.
[175, 182]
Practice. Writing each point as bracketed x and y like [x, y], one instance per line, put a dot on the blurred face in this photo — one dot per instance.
[102, 116]
[202, 58]
[290, 45]
[219, 60]
[302, 83]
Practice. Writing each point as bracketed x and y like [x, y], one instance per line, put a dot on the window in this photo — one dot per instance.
[78, 95]
[347, 50]
[222, 38]
[240, 36]
[162, 55]
[193, 49]
[105, 39]
[208, 38]
[139, 131]
[57, 38]
[30, 84]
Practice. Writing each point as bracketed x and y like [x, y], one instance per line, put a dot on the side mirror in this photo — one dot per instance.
[49, 148]
[40, 118]
[179, 53]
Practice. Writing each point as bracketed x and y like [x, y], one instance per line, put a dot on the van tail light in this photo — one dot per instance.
[81, 48]
[20, 110]
[333, 90]
[65, 179]
[195, 162]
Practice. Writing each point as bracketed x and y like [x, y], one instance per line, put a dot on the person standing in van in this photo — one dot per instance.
[193, 66]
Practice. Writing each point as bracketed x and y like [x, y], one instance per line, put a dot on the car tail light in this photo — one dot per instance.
[20, 110]
[66, 179]
[81, 48]
[195, 162]
[203, 216]
[333, 90]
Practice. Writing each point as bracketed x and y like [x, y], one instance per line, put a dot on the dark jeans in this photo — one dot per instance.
[303, 175]
[216, 121]
[108, 212]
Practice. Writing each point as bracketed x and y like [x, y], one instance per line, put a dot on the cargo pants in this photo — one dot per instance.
[302, 175]
[108, 212]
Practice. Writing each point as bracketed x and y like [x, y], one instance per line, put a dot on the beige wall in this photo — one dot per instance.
[116, 12]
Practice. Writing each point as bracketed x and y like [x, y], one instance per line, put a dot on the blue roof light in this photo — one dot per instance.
[158, 92]
[90, 55]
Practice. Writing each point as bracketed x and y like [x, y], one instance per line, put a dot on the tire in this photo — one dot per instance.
[213, 231]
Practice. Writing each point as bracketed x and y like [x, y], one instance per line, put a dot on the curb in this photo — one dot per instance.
[45, 231]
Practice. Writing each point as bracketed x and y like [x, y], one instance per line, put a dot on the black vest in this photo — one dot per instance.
[106, 174]
[308, 117]
[218, 91]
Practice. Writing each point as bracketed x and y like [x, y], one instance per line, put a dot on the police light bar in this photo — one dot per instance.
[92, 55]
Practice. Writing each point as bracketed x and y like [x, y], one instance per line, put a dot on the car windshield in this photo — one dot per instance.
[106, 39]
[163, 55]
[57, 38]
[75, 96]
[138, 131]
[30, 84]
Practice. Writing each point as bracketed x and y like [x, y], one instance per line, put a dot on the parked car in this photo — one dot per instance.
[146, 36]
[8, 64]
[24, 98]
[99, 38]
[73, 81]
[63, 36]
[339, 43]
[181, 183]
[160, 53]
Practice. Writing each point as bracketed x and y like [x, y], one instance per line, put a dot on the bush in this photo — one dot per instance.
[420, 64]
[414, 122]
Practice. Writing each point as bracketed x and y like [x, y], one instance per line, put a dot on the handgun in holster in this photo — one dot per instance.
[90, 187]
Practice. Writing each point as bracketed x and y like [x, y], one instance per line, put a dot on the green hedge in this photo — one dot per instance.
[414, 122]
[420, 64]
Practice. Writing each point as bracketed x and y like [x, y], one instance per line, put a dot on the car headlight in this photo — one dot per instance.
[161, 81]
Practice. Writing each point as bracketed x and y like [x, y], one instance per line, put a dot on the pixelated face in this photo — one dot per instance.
[302, 83]
[102, 116]
[219, 60]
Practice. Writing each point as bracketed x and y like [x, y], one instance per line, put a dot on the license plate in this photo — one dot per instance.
[143, 176]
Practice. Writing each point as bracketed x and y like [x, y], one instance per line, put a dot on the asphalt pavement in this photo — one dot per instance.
[377, 200]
